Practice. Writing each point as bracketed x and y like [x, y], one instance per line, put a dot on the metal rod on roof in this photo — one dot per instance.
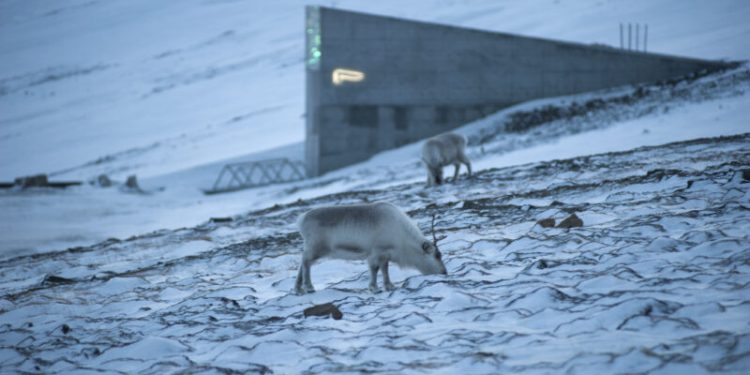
[630, 35]
[637, 35]
[645, 38]
[622, 43]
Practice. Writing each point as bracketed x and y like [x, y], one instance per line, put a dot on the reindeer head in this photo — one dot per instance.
[434, 262]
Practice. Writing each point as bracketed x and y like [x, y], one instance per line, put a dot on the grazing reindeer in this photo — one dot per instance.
[376, 232]
[443, 150]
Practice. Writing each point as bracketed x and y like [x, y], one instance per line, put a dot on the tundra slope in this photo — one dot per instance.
[656, 281]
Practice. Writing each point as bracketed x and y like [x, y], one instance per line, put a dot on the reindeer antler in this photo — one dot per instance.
[435, 240]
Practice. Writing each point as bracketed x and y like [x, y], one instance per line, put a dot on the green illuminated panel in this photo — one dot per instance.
[312, 32]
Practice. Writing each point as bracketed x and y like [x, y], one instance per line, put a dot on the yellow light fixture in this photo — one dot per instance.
[341, 75]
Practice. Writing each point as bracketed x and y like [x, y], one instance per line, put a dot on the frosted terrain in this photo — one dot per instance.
[656, 281]
[113, 280]
[170, 91]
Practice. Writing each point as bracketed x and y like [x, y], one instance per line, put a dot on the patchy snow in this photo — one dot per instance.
[654, 281]
[40, 220]
[138, 87]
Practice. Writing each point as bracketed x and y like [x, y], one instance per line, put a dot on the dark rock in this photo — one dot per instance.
[65, 328]
[221, 219]
[91, 352]
[39, 180]
[324, 310]
[103, 181]
[746, 174]
[572, 221]
[53, 279]
[542, 264]
[230, 301]
[546, 223]
[132, 182]
[648, 310]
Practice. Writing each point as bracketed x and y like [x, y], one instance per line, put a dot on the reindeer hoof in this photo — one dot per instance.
[374, 289]
[389, 287]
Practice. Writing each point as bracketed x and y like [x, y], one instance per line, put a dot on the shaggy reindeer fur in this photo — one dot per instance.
[443, 150]
[378, 233]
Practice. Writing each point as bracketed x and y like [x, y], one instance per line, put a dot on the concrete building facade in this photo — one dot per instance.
[375, 83]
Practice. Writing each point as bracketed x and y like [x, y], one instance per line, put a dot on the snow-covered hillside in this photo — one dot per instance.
[612, 120]
[151, 87]
[654, 282]
[171, 91]
[112, 280]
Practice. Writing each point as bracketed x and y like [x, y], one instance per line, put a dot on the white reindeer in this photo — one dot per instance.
[443, 150]
[376, 232]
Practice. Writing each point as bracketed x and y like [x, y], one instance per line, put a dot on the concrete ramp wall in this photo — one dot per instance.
[375, 83]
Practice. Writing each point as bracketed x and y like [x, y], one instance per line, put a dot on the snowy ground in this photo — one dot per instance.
[611, 120]
[656, 281]
[172, 91]
[112, 280]
[148, 88]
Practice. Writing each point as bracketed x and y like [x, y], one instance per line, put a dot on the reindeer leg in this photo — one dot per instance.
[374, 276]
[386, 277]
[455, 173]
[300, 276]
[306, 264]
[464, 159]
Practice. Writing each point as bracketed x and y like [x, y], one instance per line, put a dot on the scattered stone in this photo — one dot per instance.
[91, 352]
[571, 221]
[212, 318]
[65, 329]
[132, 182]
[470, 205]
[547, 223]
[103, 180]
[39, 180]
[53, 279]
[648, 310]
[324, 310]
[221, 219]
[230, 301]
[542, 264]
[746, 174]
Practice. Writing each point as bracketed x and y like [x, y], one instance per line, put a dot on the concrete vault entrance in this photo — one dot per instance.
[375, 83]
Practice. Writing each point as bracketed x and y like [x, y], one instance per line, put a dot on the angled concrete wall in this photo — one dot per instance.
[422, 79]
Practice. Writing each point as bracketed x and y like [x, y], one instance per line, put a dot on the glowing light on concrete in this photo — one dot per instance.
[341, 75]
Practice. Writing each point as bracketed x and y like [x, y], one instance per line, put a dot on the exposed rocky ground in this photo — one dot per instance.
[654, 281]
